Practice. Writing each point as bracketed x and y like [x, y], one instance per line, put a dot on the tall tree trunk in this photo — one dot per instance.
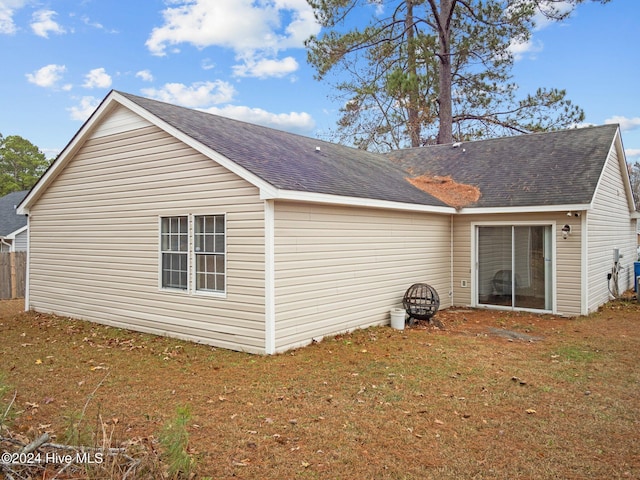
[445, 102]
[412, 71]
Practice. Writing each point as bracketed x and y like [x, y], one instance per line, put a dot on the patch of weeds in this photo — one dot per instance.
[76, 432]
[5, 408]
[575, 353]
[174, 439]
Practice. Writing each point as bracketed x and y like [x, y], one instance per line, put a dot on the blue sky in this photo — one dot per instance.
[246, 59]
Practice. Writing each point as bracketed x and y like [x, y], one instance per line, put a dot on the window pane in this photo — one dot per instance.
[208, 244]
[210, 272]
[198, 243]
[209, 226]
[219, 268]
[219, 223]
[174, 270]
[174, 234]
[219, 244]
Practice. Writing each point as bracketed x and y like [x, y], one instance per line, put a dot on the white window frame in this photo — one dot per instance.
[192, 260]
[170, 251]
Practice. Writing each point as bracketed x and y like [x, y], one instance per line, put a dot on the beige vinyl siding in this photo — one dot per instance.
[338, 268]
[609, 226]
[462, 268]
[95, 238]
[567, 256]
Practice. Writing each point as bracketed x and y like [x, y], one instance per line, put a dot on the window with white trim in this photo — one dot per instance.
[209, 247]
[174, 249]
[193, 253]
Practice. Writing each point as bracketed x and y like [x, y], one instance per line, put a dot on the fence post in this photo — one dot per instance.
[12, 261]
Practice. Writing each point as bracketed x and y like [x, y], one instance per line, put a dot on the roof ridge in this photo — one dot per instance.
[511, 137]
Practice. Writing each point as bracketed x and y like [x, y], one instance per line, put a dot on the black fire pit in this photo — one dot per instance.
[421, 302]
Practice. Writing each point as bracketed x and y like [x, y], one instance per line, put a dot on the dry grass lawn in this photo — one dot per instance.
[492, 395]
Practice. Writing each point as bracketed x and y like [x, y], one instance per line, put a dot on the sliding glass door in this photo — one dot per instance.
[514, 266]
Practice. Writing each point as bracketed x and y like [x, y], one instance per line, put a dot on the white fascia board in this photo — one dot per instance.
[13, 234]
[324, 198]
[528, 209]
[63, 158]
[622, 160]
[616, 144]
[186, 139]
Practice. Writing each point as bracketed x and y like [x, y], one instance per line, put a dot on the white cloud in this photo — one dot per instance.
[97, 78]
[207, 64]
[43, 23]
[251, 29]
[7, 10]
[520, 49]
[625, 123]
[266, 68]
[541, 21]
[550, 8]
[199, 94]
[47, 76]
[632, 153]
[145, 75]
[238, 24]
[84, 110]
[299, 122]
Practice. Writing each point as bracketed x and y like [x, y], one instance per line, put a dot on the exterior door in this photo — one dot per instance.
[514, 266]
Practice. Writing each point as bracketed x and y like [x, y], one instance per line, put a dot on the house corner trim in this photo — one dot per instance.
[269, 280]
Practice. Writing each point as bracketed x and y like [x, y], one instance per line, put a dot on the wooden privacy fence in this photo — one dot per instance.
[13, 272]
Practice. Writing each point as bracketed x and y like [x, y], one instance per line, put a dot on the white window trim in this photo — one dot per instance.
[191, 289]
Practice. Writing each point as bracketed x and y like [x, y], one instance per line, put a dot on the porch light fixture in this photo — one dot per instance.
[566, 230]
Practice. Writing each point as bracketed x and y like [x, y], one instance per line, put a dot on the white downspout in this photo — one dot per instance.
[451, 260]
[28, 268]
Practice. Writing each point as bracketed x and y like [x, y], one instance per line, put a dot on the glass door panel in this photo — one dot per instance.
[514, 266]
[529, 267]
[494, 265]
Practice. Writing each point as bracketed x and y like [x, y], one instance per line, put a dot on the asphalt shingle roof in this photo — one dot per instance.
[293, 162]
[541, 169]
[552, 168]
[10, 221]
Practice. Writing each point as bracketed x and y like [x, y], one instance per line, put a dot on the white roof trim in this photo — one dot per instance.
[63, 158]
[616, 144]
[214, 155]
[268, 191]
[622, 160]
[115, 98]
[529, 209]
[13, 234]
[325, 198]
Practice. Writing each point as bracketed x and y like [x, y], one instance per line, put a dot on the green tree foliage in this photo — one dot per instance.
[433, 71]
[21, 164]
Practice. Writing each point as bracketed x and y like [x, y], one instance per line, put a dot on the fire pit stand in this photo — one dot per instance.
[421, 302]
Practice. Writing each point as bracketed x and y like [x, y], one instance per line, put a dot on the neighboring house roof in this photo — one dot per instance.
[10, 221]
[552, 168]
[292, 162]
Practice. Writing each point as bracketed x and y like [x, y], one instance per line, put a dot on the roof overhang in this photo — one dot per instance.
[322, 198]
[111, 101]
[578, 207]
[622, 160]
[15, 233]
